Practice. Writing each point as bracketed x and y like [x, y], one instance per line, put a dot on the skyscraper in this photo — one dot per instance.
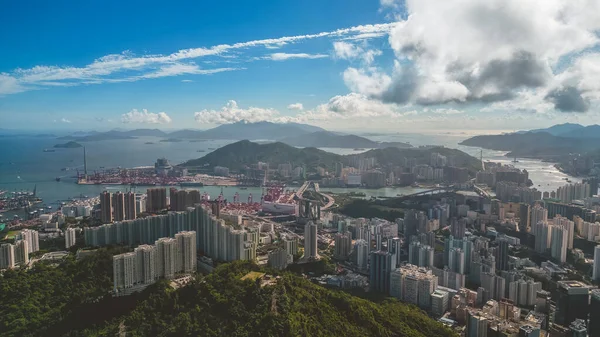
[156, 199]
[596, 270]
[542, 232]
[310, 241]
[343, 245]
[70, 235]
[382, 263]
[524, 214]
[477, 325]
[7, 256]
[32, 238]
[538, 213]
[458, 228]
[502, 256]
[594, 325]
[118, 206]
[130, 208]
[186, 243]
[362, 254]
[560, 237]
[572, 302]
[21, 253]
[106, 205]
[291, 245]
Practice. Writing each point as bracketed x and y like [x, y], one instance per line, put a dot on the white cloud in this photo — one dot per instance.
[345, 50]
[9, 85]
[447, 111]
[231, 113]
[144, 117]
[187, 81]
[353, 106]
[287, 56]
[296, 106]
[64, 120]
[127, 67]
[349, 51]
[488, 52]
[176, 69]
[370, 82]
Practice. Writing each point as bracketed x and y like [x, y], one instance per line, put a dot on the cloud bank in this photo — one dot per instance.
[144, 117]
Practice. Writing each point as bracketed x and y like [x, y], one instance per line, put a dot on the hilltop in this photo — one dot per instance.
[532, 144]
[225, 305]
[68, 145]
[393, 156]
[242, 153]
[245, 152]
[73, 299]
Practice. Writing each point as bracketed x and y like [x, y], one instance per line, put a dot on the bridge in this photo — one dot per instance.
[482, 192]
[308, 184]
[437, 190]
[302, 188]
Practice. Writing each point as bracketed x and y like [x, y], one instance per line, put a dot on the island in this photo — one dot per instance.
[148, 143]
[170, 140]
[68, 145]
[244, 153]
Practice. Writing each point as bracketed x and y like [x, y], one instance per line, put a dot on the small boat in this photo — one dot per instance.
[57, 178]
[49, 150]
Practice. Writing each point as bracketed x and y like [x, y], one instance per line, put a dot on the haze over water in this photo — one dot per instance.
[25, 165]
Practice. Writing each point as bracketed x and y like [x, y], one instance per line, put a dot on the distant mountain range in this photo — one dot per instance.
[239, 130]
[242, 153]
[295, 134]
[330, 139]
[553, 142]
[569, 130]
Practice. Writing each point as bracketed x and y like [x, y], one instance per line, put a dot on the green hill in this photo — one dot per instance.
[73, 299]
[393, 156]
[68, 145]
[224, 305]
[245, 152]
[532, 144]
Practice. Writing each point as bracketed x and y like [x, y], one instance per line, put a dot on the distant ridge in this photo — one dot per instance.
[245, 152]
[235, 131]
[330, 139]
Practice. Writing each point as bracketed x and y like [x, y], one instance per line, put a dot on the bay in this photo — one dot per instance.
[24, 165]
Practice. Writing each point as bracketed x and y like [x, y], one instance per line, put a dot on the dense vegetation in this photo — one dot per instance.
[532, 144]
[71, 300]
[360, 208]
[394, 157]
[244, 152]
[50, 301]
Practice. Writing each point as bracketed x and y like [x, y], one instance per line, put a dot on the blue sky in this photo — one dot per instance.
[339, 64]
